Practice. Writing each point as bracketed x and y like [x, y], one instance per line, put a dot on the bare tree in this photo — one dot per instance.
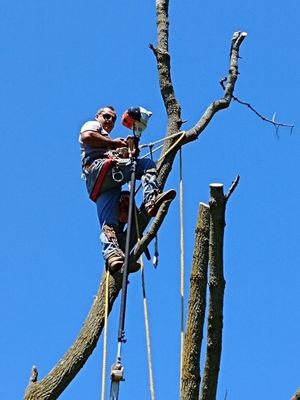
[211, 224]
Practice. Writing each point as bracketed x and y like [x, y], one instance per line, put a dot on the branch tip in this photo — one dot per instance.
[33, 375]
[232, 187]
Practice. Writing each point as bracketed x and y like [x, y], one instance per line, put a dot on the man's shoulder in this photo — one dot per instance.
[91, 126]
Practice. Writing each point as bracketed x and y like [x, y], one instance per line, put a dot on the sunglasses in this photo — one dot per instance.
[107, 117]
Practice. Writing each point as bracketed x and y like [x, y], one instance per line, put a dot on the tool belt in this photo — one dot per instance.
[116, 173]
[121, 152]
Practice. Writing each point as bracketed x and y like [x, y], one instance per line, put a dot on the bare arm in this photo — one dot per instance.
[95, 139]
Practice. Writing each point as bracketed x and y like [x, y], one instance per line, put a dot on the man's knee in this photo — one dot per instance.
[151, 171]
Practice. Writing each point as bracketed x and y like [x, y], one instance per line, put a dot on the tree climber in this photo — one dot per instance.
[106, 167]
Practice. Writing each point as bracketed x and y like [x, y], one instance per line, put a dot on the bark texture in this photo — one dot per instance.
[196, 309]
[217, 205]
[296, 395]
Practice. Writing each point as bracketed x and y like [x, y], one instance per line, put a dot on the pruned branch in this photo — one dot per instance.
[196, 309]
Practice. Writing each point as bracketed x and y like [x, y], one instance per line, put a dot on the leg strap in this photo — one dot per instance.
[96, 189]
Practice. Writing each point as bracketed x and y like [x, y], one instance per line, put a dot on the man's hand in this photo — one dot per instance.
[119, 142]
[95, 139]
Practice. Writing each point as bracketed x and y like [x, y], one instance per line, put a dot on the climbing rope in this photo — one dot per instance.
[181, 133]
[181, 262]
[105, 336]
[152, 144]
[146, 315]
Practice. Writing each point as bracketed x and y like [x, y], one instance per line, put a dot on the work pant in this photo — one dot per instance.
[108, 200]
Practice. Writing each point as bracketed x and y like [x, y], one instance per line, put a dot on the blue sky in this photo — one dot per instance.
[62, 60]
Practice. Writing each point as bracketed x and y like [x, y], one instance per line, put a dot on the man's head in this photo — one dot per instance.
[107, 117]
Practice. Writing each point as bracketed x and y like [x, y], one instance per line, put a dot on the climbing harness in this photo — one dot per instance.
[135, 119]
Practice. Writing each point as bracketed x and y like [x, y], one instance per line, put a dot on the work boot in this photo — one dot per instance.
[152, 206]
[134, 267]
[115, 262]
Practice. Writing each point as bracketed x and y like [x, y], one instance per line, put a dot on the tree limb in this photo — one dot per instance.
[174, 113]
[196, 309]
[214, 107]
[73, 360]
[296, 395]
[232, 187]
[152, 231]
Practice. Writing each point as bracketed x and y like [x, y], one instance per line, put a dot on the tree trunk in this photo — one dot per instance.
[216, 288]
[196, 309]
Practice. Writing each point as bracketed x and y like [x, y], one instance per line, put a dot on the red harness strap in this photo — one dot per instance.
[100, 179]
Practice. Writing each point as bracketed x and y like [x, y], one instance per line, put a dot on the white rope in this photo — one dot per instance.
[181, 264]
[158, 141]
[146, 315]
[105, 337]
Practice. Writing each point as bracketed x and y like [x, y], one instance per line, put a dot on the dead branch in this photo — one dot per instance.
[34, 375]
[272, 121]
[196, 309]
[232, 187]
[213, 108]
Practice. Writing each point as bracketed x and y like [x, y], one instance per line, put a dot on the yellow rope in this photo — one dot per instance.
[160, 140]
[181, 133]
[146, 315]
[181, 264]
[105, 337]
[172, 147]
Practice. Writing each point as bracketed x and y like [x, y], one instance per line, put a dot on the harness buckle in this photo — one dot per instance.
[117, 174]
